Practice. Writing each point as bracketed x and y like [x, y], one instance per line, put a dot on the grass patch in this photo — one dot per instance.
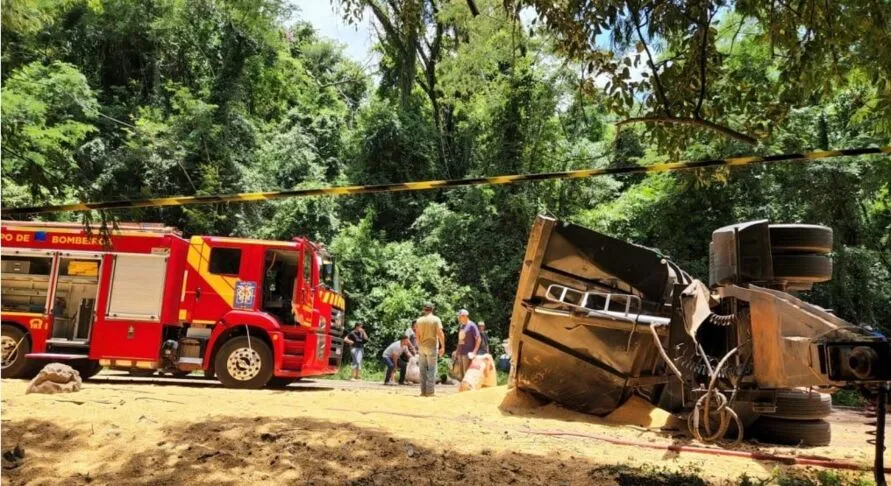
[848, 398]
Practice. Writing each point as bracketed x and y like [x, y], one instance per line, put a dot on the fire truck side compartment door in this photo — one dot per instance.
[137, 287]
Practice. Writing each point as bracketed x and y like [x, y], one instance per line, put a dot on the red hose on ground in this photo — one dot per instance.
[758, 456]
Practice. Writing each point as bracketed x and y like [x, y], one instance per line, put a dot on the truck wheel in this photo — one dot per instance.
[800, 238]
[87, 369]
[802, 268]
[14, 364]
[240, 364]
[792, 432]
[802, 405]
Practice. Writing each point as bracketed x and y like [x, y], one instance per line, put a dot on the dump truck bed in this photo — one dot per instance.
[578, 327]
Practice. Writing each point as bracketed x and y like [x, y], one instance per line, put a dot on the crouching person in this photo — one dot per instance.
[391, 359]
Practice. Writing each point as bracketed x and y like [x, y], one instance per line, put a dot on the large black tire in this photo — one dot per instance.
[240, 364]
[792, 432]
[802, 405]
[802, 268]
[800, 238]
[18, 366]
[87, 368]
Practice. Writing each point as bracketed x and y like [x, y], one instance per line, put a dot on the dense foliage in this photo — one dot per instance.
[107, 99]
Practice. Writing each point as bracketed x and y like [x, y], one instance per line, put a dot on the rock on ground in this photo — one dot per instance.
[55, 378]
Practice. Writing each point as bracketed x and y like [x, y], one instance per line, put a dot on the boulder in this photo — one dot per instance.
[55, 378]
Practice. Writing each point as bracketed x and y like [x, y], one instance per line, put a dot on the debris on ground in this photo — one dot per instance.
[637, 411]
[13, 457]
[55, 378]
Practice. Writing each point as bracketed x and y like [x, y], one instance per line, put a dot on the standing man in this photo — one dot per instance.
[468, 342]
[391, 357]
[431, 344]
[484, 338]
[357, 339]
[412, 334]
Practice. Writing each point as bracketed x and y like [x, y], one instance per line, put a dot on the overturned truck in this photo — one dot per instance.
[596, 320]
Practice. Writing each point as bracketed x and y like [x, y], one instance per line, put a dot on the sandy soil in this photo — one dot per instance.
[324, 432]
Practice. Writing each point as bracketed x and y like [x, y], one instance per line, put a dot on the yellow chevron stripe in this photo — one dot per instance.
[199, 259]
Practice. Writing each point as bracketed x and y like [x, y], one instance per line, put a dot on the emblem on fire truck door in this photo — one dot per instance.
[245, 293]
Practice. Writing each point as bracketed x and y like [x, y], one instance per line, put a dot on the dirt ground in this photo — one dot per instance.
[123, 431]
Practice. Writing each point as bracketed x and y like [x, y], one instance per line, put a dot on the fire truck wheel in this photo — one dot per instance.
[15, 345]
[243, 364]
[87, 369]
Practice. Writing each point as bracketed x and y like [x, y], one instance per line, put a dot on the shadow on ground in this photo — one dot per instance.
[305, 451]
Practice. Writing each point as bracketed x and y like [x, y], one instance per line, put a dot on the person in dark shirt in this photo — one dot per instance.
[357, 339]
[484, 338]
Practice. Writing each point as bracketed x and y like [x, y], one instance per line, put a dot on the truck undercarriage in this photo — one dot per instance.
[596, 320]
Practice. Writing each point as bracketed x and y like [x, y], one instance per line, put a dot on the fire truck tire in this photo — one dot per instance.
[792, 432]
[243, 364]
[15, 364]
[802, 268]
[800, 238]
[802, 405]
[87, 369]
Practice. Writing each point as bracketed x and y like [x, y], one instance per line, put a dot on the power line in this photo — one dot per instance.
[442, 184]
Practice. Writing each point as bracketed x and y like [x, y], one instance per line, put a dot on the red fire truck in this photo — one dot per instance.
[145, 299]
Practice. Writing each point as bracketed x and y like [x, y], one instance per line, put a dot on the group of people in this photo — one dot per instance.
[426, 340]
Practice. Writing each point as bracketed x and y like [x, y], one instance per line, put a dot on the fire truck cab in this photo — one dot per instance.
[145, 299]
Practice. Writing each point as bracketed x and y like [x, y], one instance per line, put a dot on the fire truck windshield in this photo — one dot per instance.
[329, 274]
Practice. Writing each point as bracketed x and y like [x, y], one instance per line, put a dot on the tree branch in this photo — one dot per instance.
[473, 9]
[660, 92]
[723, 130]
[703, 55]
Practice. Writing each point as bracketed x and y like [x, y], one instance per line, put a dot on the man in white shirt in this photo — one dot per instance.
[391, 358]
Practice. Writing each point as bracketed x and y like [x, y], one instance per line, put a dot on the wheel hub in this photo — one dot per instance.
[10, 353]
[243, 364]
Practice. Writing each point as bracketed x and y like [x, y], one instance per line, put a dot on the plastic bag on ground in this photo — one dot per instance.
[480, 374]
[413, 370]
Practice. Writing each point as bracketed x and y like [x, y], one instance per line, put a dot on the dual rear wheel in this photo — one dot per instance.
[798, 419]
